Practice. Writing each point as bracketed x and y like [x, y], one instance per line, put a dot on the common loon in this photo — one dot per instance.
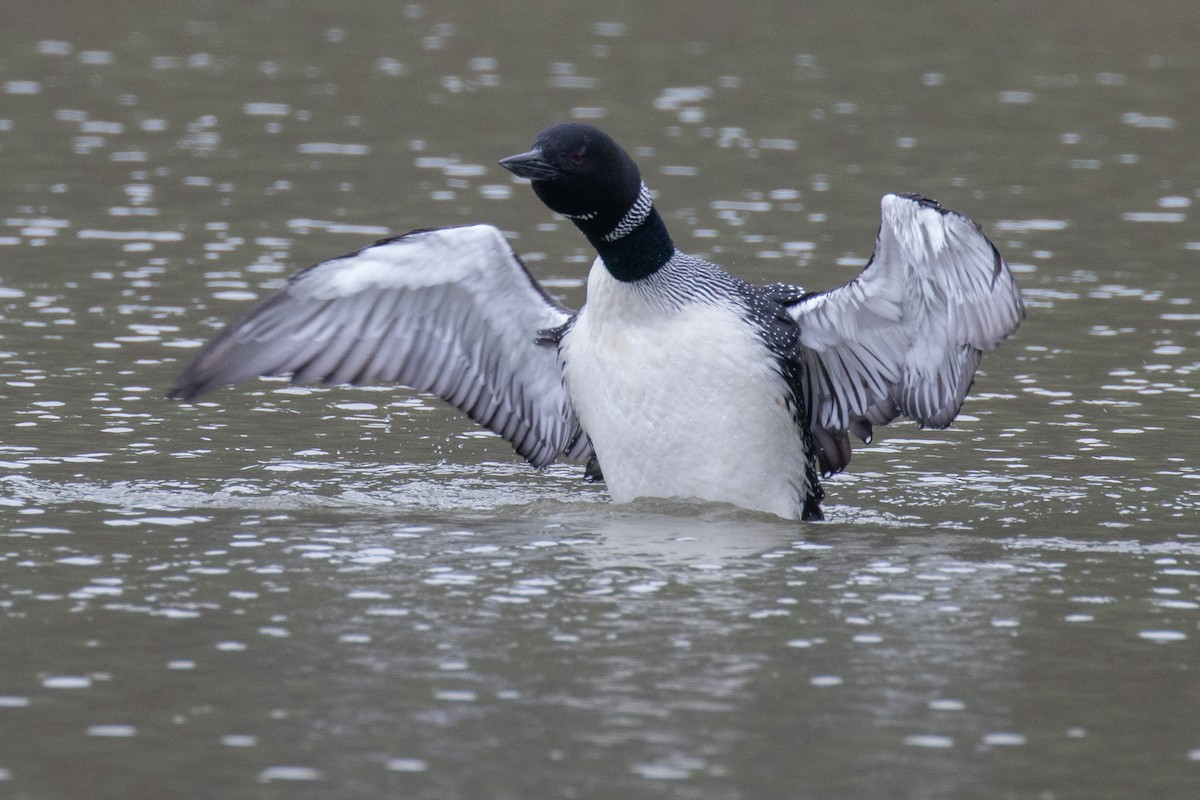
[676, 379]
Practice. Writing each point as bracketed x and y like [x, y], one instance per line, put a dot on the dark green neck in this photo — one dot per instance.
[639, 253]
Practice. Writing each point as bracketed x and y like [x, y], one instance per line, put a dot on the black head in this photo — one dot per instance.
[580, 172]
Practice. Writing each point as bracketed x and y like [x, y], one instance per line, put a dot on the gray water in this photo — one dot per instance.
[356, 594]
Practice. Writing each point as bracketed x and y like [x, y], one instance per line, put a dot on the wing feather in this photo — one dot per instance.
[450, 311]
[904, 337]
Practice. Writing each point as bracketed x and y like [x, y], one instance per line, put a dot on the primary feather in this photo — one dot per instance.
[450, 311]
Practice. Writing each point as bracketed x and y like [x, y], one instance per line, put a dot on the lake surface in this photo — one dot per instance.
[285, 592]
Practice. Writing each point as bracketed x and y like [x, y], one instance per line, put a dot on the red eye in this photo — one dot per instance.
[577, 158]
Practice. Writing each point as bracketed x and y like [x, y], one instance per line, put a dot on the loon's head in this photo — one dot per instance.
[580, 172]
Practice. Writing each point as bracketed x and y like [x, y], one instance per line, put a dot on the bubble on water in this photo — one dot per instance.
[1016, 97]
[81, 561]
[570, 81]
[947, 704]
[289, 773]
[676, 98]
[96, 57]
[1154, 216]
[1139, 120]
[112, 731]
[386, 611]
[151, 236]
[391, 67]
[333, 149]
[1030, 225]
[239, 740]
[267, 109]
[22, 87]
[1003, 739]
[929, 740]
[609, 29]
[495, 191]
[51, 47]
[303, 226]
[67, 682]
[661, 772]
[786, 145]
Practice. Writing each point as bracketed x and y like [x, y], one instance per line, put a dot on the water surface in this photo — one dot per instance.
[355, 593]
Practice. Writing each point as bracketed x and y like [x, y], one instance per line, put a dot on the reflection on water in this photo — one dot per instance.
[355, 593]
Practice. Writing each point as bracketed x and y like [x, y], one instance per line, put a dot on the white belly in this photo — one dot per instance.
[681, 403]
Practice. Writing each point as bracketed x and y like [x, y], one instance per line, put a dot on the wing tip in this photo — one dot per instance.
[893, 202]
[913, 197]
[192, 383]
[185, 391]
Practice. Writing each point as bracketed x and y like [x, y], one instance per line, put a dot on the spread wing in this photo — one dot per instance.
[450, 311]
[906, 335]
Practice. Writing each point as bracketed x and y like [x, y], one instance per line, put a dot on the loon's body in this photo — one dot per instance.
[675, 379]
[682, 395]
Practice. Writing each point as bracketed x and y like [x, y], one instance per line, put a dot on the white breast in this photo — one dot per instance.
[681, 401]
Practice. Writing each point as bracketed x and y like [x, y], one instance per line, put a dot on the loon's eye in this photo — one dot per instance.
[577, 158]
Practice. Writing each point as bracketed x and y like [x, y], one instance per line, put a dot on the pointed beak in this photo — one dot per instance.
[532, 165]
